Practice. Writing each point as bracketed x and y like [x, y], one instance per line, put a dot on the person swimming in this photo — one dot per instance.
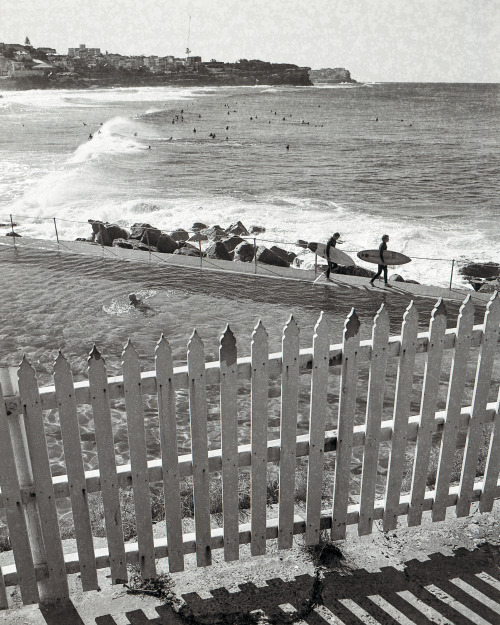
[138, 304]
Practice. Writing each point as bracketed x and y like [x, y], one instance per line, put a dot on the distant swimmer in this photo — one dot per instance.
[135, 134]
[149, 147]
[199, 116]
[287, 147]
[284, 119]
[91, 136]
[227, 127]
[194, 130]
[84, 123]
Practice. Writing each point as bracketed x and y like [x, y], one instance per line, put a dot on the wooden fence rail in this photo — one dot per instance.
[29, 492]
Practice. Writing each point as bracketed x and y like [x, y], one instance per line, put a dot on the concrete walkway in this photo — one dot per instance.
[190, 263]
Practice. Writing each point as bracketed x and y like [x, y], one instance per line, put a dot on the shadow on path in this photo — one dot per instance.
[461, 589]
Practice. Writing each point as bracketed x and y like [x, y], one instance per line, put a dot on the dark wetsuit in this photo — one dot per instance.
[381, 268]
[332, 242]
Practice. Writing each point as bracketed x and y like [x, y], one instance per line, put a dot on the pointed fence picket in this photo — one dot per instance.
[374, 407]
[28, 491]
[138, 460]
[169, 454]
[259, 408]
[347, 408]
[288, 433]
[99, 394]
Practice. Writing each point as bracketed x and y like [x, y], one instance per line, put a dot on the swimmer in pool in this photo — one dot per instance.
[139, 304]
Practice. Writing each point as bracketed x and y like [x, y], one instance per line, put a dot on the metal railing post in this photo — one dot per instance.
[55, 227]
[149, 247]
[13, 233]
[201, 255]
[315, 264]
[451, 276]
[255, 253]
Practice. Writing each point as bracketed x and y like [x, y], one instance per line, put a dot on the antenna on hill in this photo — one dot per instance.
[188, 51]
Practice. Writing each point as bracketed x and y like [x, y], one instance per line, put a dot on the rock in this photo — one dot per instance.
[288, 256]
[8, 225]
[256, 229]
[180, 235]
[244, 252]
[131, 244]
[237, 229]
[198, 226]
[396, 278]
[264, 255]
[481, 270]
[105, 233]
[12, 234]
[412, 282]
[353, 271]
[313, 246]
[188, 251]
[302, 243]
[489, 286]
[215, 233]
[218, 250]
[166, 245]
[231, 243]
[146, 233]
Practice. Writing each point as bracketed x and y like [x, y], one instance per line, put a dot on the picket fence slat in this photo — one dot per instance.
[451, 425]
[4, 602]
[107, 465]
[346, 413]
[169, 454]
[229, 443]
[374, 407]
[199, 448]
[42, 479]
[317, 421]
[479, 401]
[492, 465]
[404, 385]
[430, 390]
[288, 433]
[138, 460]
[72, 446]
[16, 521]
[259, 410]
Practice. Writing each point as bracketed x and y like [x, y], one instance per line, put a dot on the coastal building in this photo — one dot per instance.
[4, 65]
[83, 52]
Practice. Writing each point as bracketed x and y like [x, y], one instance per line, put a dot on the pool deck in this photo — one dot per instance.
[339, 282]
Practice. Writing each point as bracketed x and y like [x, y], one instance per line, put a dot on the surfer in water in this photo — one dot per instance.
[332, 242]
[138, 304]
[382, 267]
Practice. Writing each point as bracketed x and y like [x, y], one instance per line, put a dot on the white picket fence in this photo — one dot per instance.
[29, 492]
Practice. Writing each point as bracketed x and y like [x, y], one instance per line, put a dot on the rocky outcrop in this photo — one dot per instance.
[244, 252]
[237, 229]
[256, 229]
[353, 271]
[105, 233]
[218, 251]
[198, 226]
[180, 235]
[130, 244]
[334, 75]
[231, 243]
[395, 277]
[166, 245]
[481, 270]
[214, 233]
[266, 256]
[289, 257]
[189, 250]
[146, 233]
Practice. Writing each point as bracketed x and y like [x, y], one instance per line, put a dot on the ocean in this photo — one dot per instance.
[420, 162]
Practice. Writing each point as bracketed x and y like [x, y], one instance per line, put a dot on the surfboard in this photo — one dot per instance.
[336, 256]
[392, 258]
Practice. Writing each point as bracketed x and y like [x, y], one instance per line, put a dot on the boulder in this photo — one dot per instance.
[353, 271]
[198, 236]
[180, 235]
[231, 243]
[145, 233]
[12, 234]
[301, 243]
[412, 282]
[105, 233]
[266, 256]
[215, 233]
[198, 226]
[237, 229]
[313, 246]
[288, 256]
[488, 286]
[395, 277]
[190, 250]
[166, 245]
[256, 229]
[131, 244]
[481, 270]
[244, 252]
[218, 250]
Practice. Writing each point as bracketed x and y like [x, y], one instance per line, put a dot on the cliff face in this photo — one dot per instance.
[328, 75]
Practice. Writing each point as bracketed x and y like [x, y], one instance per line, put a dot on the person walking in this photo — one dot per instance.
[332, 242]
[382, 267]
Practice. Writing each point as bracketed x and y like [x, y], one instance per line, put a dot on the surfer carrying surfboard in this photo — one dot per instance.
[382, 266]
[332, 242]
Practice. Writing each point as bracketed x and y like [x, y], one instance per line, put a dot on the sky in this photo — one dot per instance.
[377, 40]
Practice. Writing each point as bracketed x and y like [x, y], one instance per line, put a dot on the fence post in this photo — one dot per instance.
[201, 255]
[149, 247]
[315, 264]
[13, 233]
[17, 431]
[255, 253]
[57, 234]
[451, 276]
